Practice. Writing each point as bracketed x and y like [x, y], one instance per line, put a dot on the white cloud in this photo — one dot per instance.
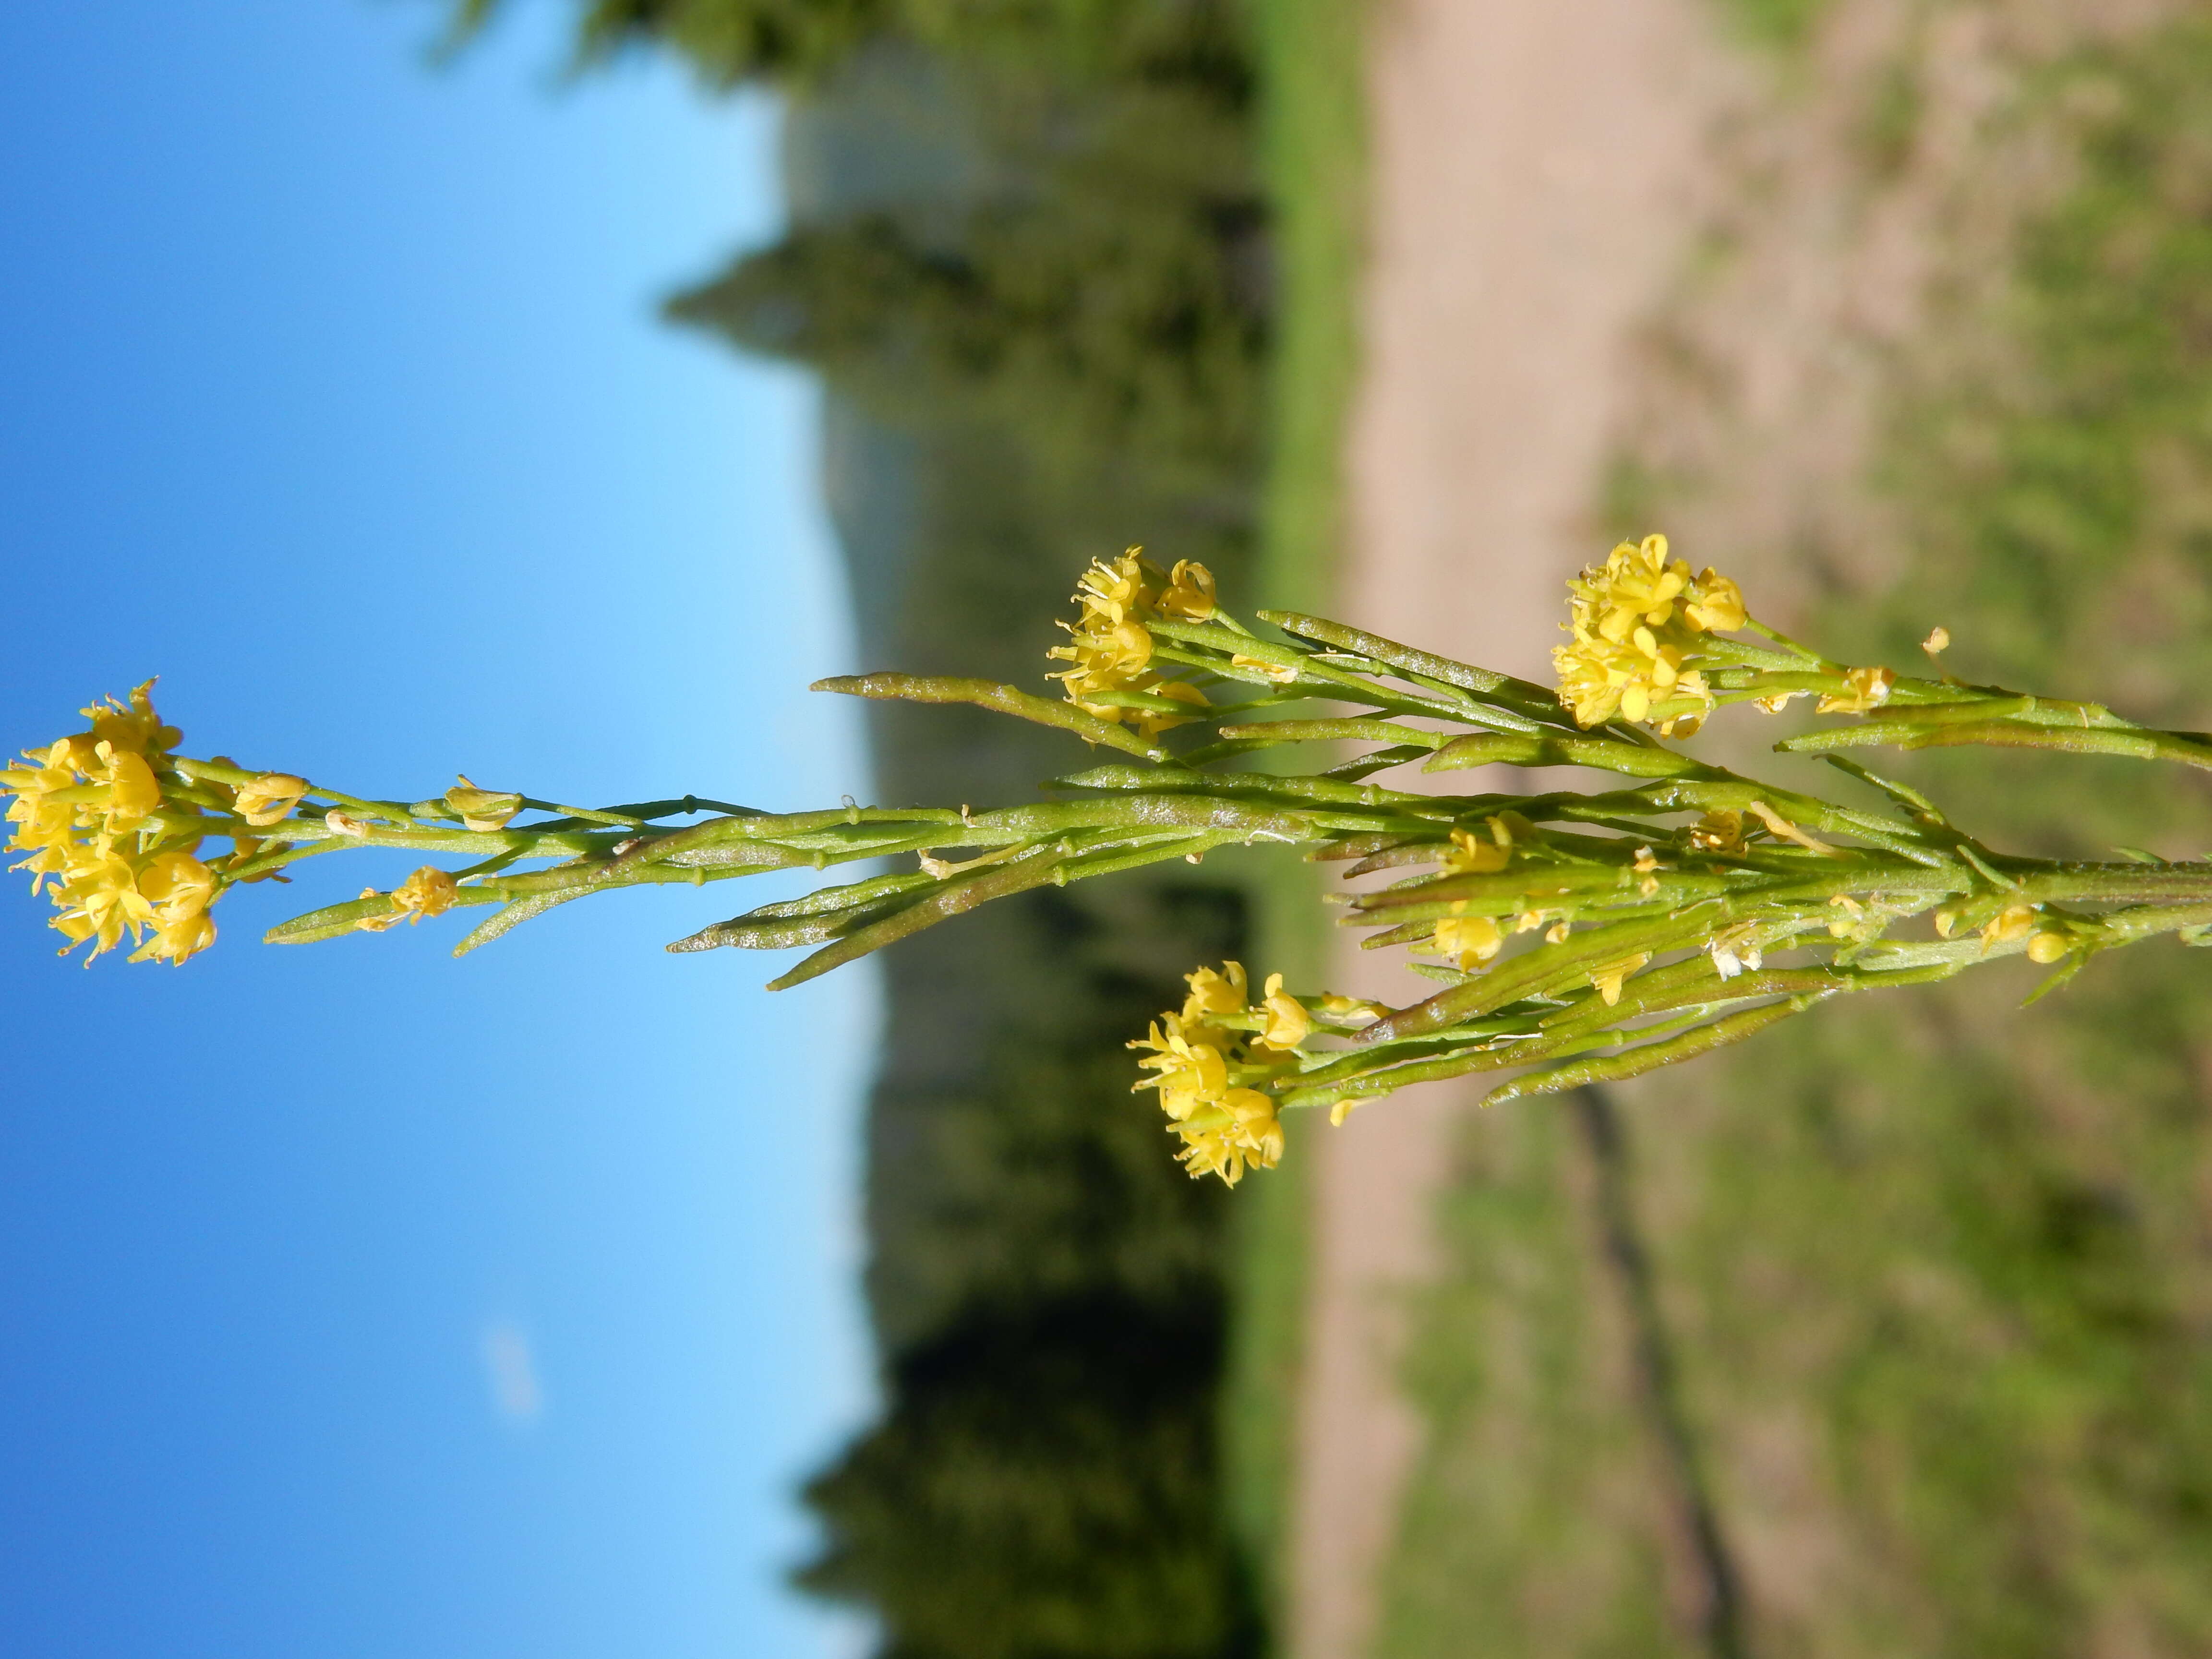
[511, 1371]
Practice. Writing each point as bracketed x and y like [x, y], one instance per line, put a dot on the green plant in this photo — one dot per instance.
[1656, 905]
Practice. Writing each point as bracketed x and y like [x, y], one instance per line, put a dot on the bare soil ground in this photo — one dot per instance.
[1536, 172]
[1616, 262]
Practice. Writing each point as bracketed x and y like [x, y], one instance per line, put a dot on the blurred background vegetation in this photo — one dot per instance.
[1078, 274]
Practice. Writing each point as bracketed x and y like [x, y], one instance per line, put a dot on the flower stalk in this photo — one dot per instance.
[1569, 936]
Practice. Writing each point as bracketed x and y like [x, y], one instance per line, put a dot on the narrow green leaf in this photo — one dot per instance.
[1005, 699]
[1613, 1069]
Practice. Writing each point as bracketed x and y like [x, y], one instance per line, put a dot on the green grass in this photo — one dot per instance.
[1933, 1267]
[1528, 1528]
[1269, 1234]
[1783, 23]
[1313, 137]
[1314, 148]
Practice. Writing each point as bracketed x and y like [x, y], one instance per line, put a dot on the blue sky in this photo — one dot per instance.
[355, 1300]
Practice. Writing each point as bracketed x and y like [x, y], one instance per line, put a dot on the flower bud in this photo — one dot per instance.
[1468, 940]
[1288, 1023]
[1282, 673]
[1870, 688]
[1473, 856]
[482, 808]
[1212, 992]
[2013, 921]
[269, 798]
[1189, 593]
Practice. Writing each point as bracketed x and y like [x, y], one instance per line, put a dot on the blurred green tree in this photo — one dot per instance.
[1064, 1453]
[1027, 258]
[800, 42]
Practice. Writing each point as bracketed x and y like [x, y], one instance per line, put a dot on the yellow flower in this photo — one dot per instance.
[133, 727]
[41, 820]
[1225, 1126]
[122, 758]
[1115, 592]
[429, 892]
[1192, 1074]
[1600, 678]
[100, 901]
[1869, 690]
[130, 789]
[482, 809]
[1468, 940]
[2047, 948]
[81, 809]
[269, 798]
[1112, 648]
[2013, 921]
[1190, 595]
[52, 860]
[1211, 992]
[180, 888]
[1241, 1130]
[1471, 856]
[178, 883]
[177, 938]
[1637, 584]
[1714, 605]
[1635, 622]
[1288, 1023]
[1717, 832]
[1610, 977]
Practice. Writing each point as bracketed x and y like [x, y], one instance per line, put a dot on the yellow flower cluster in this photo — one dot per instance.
[1199, 1053]
[1112, 648]
[84, 810]
[1636, 622]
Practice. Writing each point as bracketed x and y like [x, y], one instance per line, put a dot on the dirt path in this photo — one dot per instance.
[1534, 165]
